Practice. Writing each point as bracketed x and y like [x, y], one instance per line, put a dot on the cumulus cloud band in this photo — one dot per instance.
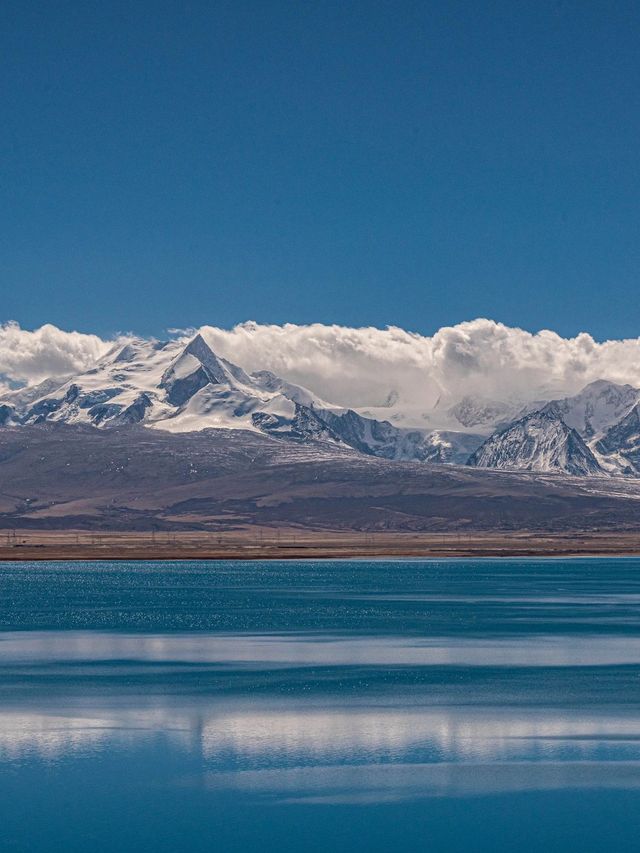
[28, 357]
[368, 366]
[359, 367]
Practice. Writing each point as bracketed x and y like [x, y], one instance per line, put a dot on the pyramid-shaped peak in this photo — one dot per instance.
[197, 345]
[199, 349]
[218, 367]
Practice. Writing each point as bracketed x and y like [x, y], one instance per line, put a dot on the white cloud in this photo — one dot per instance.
[28, 357]
[357, 367]
[361, 367]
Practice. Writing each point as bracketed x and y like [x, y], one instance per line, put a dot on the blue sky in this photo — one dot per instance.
[418, 164]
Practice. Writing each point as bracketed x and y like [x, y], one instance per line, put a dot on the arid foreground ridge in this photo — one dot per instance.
[78, 491]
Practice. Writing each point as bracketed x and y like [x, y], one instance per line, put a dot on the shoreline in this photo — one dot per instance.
[40, 546]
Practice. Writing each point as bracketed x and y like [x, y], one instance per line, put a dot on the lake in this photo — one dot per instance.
[441, 705]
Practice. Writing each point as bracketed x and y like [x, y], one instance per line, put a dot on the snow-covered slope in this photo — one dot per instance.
[480, 413]
[171, 386]
[540, 441]
[470, 414]
[597, 407]
[451, 447]
[123, 387]
[620, 444]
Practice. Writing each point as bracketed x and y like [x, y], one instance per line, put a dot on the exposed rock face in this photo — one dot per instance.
[7, 414]
[194, 369]
[540, 441]
[134, 413]
[623, 440]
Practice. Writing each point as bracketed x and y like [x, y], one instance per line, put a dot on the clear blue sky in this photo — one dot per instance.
[175, 163]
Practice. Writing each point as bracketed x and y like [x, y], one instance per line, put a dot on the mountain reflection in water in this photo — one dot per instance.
[493, 723]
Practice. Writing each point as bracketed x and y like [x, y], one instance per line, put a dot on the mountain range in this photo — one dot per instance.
[183, 386]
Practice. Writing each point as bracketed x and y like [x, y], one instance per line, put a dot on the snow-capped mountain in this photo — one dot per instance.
[183, 386]
[620, 444]
[172, 387]
[541, 441]
[595, 431]
[597, 407]
[180, 387]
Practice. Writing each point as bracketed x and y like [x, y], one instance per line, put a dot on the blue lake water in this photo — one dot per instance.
[462, 705]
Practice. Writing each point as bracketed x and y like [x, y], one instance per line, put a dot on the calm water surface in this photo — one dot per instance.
[336, 706]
